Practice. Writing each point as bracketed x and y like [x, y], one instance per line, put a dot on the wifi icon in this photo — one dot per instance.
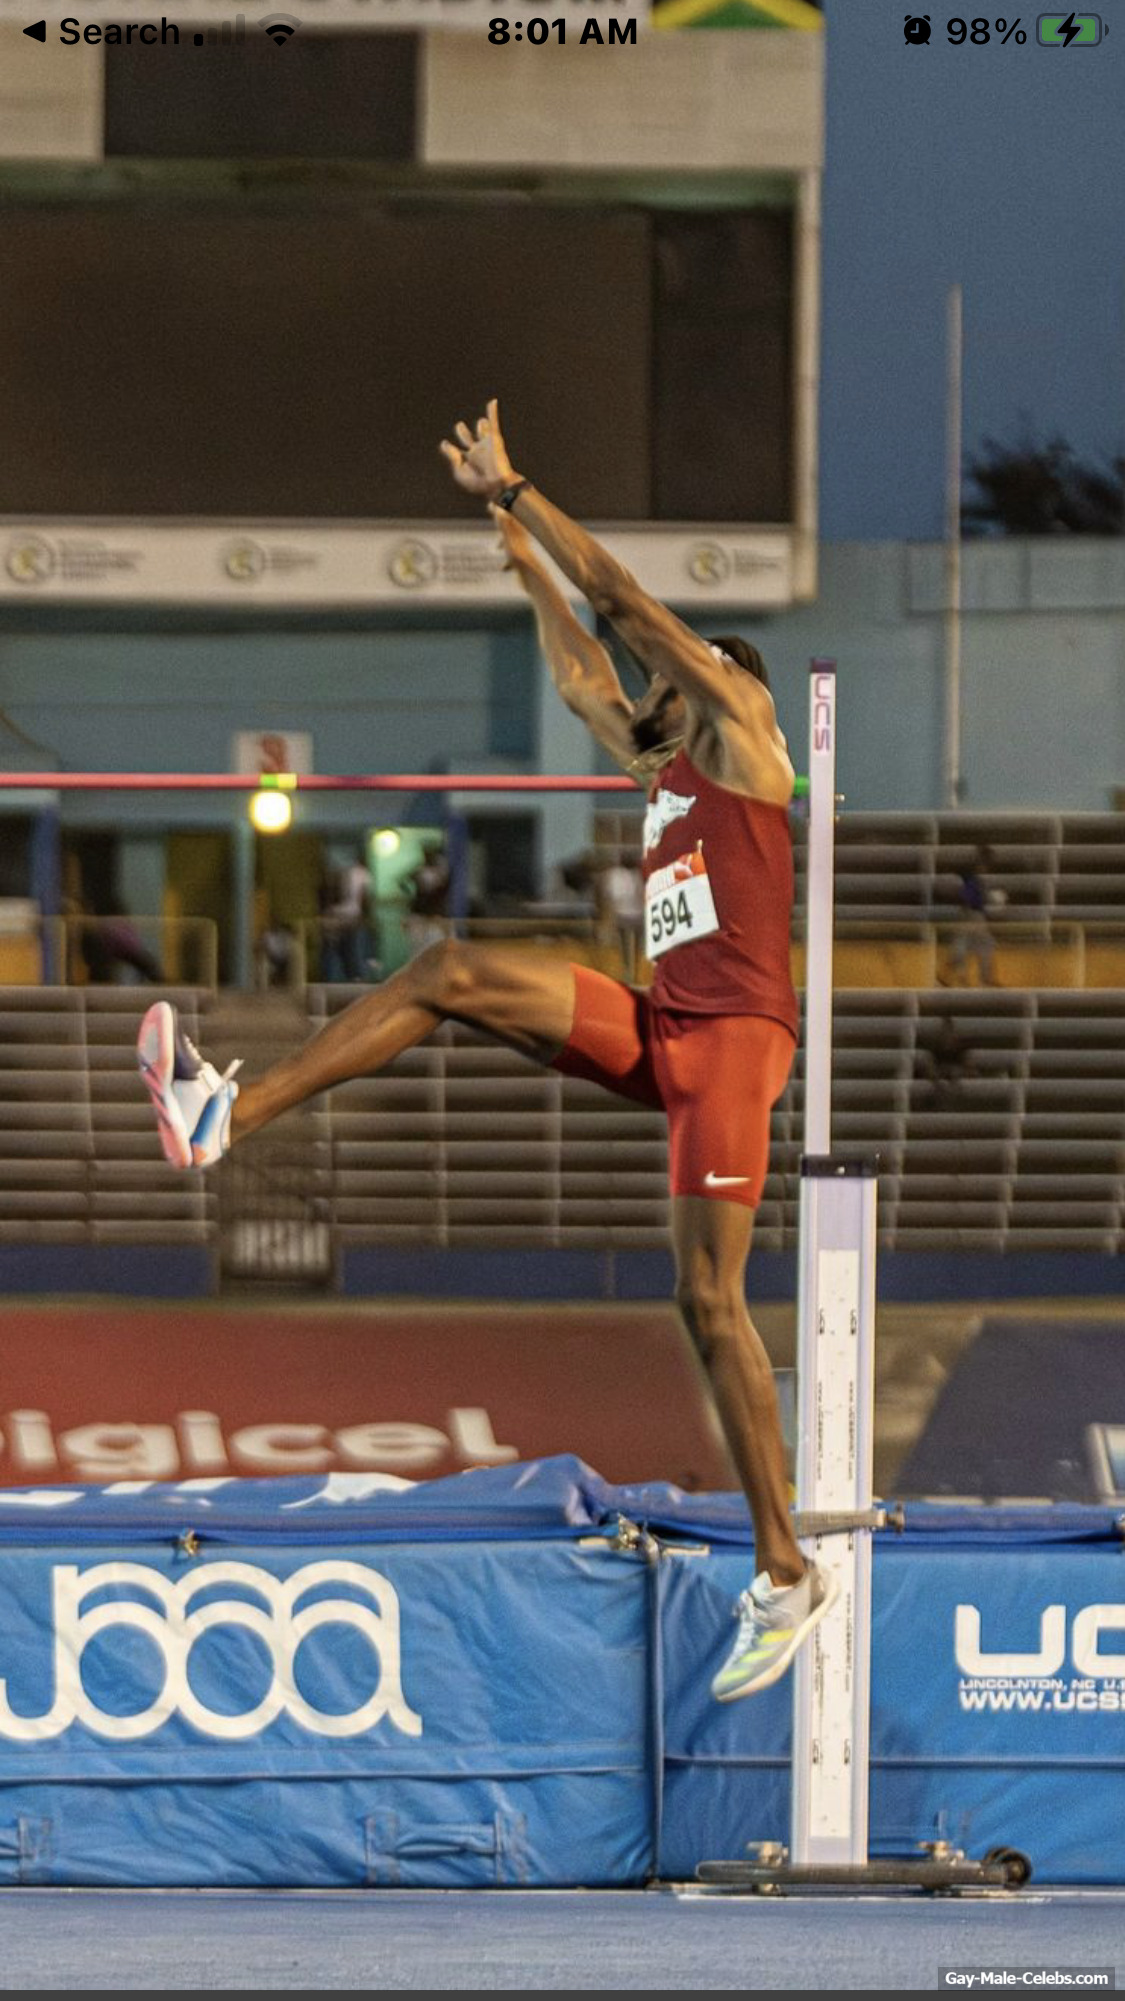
[279, 28]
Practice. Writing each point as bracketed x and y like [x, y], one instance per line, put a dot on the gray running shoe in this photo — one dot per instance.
[773, 1620]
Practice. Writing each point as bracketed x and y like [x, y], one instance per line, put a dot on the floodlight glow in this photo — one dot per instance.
[271, 812]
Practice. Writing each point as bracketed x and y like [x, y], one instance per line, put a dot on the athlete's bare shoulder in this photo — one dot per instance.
[746, 752]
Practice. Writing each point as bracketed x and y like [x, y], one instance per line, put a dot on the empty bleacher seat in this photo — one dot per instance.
[463, 1141]
[80, 1160]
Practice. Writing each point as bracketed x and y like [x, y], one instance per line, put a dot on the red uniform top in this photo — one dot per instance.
[734, 858]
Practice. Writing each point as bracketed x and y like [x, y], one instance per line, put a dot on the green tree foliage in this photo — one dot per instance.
[1043, 489]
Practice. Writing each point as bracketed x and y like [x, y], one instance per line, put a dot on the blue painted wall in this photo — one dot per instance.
[380, 701]
[1044, 690]
[1043, 672]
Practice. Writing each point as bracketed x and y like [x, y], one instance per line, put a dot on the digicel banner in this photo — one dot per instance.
[156, 1392]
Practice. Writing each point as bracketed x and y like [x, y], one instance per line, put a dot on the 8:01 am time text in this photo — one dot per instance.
[537, 30]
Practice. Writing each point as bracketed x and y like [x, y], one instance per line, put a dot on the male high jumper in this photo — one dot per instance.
[711, 1041]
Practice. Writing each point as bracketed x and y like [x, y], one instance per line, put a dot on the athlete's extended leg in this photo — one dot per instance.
[711, 1241]
[787, 1598]
[524, 998]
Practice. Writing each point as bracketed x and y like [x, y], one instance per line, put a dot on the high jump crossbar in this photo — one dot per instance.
[292, 781]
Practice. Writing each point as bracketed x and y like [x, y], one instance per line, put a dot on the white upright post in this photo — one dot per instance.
[819, 912]
[835, 1394]
[835, 1341]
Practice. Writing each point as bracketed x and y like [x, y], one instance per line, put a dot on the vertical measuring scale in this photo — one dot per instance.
[835, 1383]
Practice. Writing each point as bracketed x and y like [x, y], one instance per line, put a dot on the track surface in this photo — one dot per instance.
[594, 1940]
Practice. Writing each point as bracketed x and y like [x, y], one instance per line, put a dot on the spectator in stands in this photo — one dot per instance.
[428, 919]
[345, 939]
[944, 1063]
[576, 875]
[973, 935]
[277, 955]
[619, 899]
[113, 950]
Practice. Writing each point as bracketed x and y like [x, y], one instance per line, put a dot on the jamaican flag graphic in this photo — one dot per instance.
[799, 14]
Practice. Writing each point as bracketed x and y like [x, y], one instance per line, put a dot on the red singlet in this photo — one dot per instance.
[712, 1040]
[744, 850]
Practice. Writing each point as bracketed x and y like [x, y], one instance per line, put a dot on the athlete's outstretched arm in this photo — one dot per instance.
[580, 667]
[661, 642]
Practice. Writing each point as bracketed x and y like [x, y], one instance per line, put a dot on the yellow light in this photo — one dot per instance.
[271, 812]
[388, 841]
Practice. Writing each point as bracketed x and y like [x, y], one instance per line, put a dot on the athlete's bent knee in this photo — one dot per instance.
[712, 1313]
[445, 974]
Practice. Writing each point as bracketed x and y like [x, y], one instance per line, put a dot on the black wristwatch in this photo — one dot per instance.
[505, 498]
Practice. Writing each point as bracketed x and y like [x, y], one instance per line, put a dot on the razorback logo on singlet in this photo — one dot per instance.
[661, 812]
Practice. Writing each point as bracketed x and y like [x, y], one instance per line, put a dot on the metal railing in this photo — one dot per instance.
[91, 951]
[615, 948]
[74, 951]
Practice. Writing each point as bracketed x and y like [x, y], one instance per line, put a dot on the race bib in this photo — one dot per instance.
[679, 906]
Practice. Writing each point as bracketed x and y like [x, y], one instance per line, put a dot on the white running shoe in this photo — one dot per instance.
[773, 1620]
[191, 1101]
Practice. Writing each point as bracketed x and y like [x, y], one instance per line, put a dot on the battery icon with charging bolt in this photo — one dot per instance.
[1062, 31]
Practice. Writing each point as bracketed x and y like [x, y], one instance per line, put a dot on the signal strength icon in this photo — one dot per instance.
[225, 32]
[279, 28]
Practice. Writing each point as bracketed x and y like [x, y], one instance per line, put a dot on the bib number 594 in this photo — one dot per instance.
[679, 907]
[668, 918]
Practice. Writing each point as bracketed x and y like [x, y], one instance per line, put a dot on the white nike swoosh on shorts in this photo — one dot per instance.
[725, 1180]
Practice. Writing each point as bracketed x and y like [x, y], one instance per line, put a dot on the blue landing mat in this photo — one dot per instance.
[490, 1680]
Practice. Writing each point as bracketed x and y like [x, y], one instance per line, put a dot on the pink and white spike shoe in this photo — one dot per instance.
[191, 1101]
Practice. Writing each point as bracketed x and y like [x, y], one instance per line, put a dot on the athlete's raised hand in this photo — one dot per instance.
[480, 463]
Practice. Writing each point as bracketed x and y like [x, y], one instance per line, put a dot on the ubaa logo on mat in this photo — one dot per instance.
[268, 1612]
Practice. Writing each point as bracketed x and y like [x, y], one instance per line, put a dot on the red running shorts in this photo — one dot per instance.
[715, 1075]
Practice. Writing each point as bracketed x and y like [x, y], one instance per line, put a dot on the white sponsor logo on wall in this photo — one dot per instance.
[196, 1442]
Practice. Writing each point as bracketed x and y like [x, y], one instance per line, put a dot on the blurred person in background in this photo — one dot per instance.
[944, 1061]
[711, 1042]
[345, 923]
[277, 955]
[575, 876]
[620, 899]
[978, 900]
[428, 920]
[112, 948]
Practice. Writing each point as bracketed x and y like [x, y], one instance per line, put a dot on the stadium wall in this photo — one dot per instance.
[1040, 622]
